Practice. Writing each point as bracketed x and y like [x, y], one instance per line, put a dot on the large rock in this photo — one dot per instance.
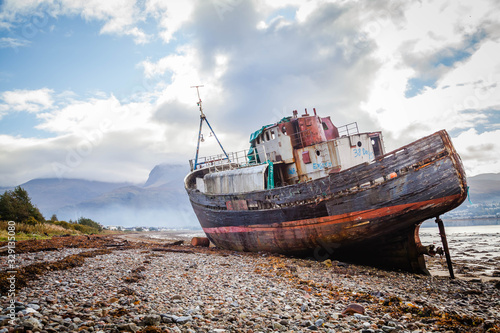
[353, 308]
[32, 324]
[151, 320]
[130, 327]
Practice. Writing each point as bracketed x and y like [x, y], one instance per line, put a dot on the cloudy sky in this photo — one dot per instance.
[102, 89]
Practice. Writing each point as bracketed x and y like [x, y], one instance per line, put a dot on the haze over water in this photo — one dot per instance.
[474, 249]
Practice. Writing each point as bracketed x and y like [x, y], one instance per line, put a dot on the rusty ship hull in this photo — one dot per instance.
[369, 213]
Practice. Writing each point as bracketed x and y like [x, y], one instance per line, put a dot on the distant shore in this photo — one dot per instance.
[464, 222]
[144, 283]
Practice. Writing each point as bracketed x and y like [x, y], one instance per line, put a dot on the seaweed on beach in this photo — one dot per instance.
[343, 291]
[31, 272]
[391, 304]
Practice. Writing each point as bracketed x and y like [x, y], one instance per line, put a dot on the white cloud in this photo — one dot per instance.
[350, 60]
[184, 70]
[430, 36]
[19, 155]
[476, 81]
[98, 138]
[478, 151]
[99, 116]
[465, 88]
[104, 158]
[140, 37]
[10, 42]
[119, 16]
[171, 14]
[320, 62]
[27, 100]
[472, 86]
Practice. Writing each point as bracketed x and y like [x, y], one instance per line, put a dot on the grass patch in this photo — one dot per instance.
[38, 231]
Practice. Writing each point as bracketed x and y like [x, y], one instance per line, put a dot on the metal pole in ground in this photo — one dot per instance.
[445, 246]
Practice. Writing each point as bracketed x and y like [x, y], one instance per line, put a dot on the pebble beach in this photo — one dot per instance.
[152, 283]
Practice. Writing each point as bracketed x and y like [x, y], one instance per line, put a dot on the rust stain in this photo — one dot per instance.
[335, 219]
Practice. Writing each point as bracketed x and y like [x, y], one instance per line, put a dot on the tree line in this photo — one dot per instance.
[16, 205]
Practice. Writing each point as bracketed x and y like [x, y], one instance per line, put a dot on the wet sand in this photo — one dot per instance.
[474, 251]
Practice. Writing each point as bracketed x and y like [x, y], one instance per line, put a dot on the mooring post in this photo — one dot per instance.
[445, 246]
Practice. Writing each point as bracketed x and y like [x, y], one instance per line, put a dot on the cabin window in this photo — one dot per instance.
[283, 129]
[258, 140]
[273, 136]
[325, 126]
[377, 146]
[267, 136]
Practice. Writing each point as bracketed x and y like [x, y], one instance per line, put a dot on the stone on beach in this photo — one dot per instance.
[188, 289]
[353, 308]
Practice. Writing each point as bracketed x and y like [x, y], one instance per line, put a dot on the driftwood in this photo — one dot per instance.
[179, 242]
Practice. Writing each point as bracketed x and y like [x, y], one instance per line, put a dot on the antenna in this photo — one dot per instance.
[199, 99]
[200, 136]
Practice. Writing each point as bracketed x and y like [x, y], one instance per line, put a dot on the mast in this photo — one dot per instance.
[202, 119]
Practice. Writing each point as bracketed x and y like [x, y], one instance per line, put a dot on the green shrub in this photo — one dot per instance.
[88, 222]
[65, 225]
[83, 225]
[85, 229]
[32, 221]
[16, 206]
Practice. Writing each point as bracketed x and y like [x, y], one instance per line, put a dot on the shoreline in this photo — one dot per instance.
[480, 266]
[475, 251]
[144, 284]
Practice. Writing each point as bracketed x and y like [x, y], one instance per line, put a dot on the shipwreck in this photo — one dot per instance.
[306, 187]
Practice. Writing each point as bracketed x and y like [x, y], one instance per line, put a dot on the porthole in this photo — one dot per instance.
[318, 153]
[359, 143]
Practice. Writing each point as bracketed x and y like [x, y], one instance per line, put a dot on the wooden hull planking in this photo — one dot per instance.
[369, 213]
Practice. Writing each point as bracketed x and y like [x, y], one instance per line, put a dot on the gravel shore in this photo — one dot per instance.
[129, 284]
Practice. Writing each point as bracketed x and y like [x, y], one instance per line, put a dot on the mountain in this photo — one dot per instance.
[485, 187]
[161, 201]
[50, 194]
[483, 200]
[164, 174]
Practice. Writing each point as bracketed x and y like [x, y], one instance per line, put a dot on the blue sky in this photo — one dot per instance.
[70, 54]
[101, 90]
[66, 54]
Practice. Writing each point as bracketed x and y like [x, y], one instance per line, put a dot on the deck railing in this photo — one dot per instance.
[220, 162]
[349, 129]
[241, 158]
